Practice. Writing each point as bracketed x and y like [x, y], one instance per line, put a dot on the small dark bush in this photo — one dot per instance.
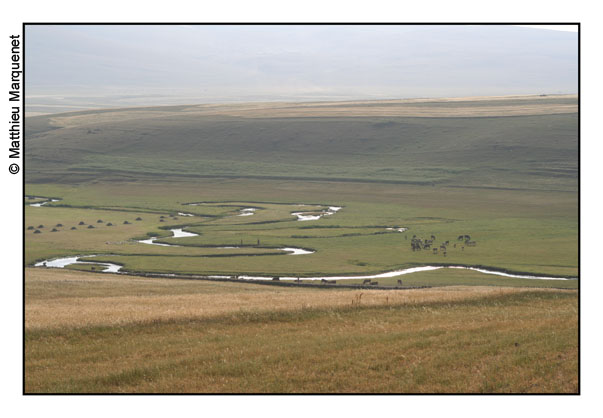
[40, 226]
[100, 221]
[29, 228]
[73, 227]
[54, 230]
[37, 231]
[59, 225]
[81, 223]
[139, 219]
[90, 226]
[109, 224]
[126, 223]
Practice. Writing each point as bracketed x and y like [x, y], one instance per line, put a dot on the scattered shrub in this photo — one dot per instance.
[90, 226]
[37, 231]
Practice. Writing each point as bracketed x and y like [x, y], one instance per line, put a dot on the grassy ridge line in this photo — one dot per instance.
[532, 152]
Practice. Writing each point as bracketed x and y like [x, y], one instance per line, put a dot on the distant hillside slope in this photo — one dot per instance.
[512, 142]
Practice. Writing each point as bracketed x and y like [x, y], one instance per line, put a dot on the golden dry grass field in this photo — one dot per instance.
[89, 332]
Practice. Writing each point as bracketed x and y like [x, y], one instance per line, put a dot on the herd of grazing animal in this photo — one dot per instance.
[418, 244]
[467, 239]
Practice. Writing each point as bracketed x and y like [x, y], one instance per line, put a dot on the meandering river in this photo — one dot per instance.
[312, 216]
[37, 205]
[180, 233]
[115, 268]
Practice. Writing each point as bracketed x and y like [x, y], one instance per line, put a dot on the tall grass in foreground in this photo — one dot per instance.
[525, 342]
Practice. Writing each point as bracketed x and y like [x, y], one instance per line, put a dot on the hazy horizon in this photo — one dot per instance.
[78, 67]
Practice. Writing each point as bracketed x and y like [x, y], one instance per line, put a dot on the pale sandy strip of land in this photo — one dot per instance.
[445, 107]
[72, 299]
[402, 111]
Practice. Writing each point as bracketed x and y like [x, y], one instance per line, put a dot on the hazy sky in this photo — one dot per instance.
[72, 67]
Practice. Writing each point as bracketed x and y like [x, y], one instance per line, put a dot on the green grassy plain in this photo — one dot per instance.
[520, 231]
